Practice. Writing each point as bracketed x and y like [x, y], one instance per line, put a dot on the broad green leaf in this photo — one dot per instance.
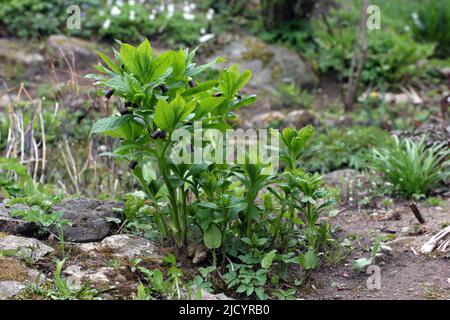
[212, 237]
[128, 54]
[308, 260]
[113, 66]
[204, 86]
[359, 264]
[164, 116]
[112, 123]
[266, 262]
[207, 105]
[244, 102]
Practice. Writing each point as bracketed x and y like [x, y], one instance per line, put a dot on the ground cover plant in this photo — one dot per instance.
[214, 203]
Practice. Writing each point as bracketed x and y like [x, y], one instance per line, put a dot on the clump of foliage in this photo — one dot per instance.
[412, 168]
[339, 148]
[59, 288]
[17, 186]
[392, 57]
[431, 24]
[225, 206]
[174, 23]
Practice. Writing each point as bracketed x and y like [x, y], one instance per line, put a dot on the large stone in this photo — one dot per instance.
[124, 246]
[15, 57]
[14, 276]
[299, 119]
[15, 226]
[27, 248]
[88, 218]
[270, 64]
[82, 52]
[78, 276]
[9, 289]
[267, 119]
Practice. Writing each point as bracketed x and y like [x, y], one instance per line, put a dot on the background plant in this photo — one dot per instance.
[412, 168]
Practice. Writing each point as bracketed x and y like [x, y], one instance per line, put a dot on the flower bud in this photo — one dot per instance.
[164, 88]
[133, 164]
[124, 111]
[109, 94]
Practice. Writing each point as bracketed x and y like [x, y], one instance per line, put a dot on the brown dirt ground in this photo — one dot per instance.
[405, 273]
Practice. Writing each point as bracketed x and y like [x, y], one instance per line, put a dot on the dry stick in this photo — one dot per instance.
[417, 212]
[44, 144]
[356, 77]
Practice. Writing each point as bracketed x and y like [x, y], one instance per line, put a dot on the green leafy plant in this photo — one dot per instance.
[47, 220]
[412, 168]
[430, 23]
[336, 149]
[163, 96]
[59, 287]
[244, 279]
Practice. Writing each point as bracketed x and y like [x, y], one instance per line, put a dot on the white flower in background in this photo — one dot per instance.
[115, 11]
[109, 2]
[193, 6]
[210, 14]
[106, 24]
[188, 16]
[407, 28]
[151, 17]
[162, 8]
[132, 15]
[202, 30]
[206, 37]
[154, 11]
[101, 13]
[119, 3]
[186, 8]
[132, 2]
[170, 10]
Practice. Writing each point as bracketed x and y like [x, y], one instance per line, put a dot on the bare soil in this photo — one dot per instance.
[405, 273]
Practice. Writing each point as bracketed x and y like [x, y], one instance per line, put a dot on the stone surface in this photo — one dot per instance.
[299, 119]
[77, 276]
[8, 289]
[124, 246]
[270, 64]
[29, 248]
[15, 57]
[15, 226]
[83, 52]
[15, 275]
[88, 219]
[267, 119]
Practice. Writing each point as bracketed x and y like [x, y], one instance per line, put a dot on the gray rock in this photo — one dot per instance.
[8, 289]
[195, 294]
[15, 226]
[83, 52]
[130, 246]
[267, 119]
[26, 247]
[88, 219]
[77, 276]
[124, 246]
[15, 57]
[270, 64]
[299, 119]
